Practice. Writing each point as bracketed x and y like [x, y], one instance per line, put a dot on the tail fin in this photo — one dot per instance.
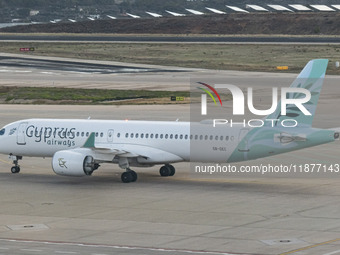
[310, 78]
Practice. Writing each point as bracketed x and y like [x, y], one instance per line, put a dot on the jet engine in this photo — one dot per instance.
[73, 163]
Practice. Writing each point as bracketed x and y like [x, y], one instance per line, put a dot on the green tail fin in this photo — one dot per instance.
[310, 78]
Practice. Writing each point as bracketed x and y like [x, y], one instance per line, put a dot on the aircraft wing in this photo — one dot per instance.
[145, 154]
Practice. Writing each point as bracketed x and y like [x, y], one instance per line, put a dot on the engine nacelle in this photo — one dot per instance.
[73, 163]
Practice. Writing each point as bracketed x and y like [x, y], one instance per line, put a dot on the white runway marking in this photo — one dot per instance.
[112, 247]
[22, 71]
[331, 253]
[14, 71]
[66, 252]
[31, 250]
[48, 73]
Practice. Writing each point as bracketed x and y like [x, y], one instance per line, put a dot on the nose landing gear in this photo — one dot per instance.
[16, 168]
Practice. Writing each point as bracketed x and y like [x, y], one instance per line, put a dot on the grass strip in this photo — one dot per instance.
[43, 95]
[249, 57]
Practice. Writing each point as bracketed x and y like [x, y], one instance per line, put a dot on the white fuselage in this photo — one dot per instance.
[44, 137]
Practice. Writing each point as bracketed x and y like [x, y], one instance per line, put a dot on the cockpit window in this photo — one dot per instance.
[2, 131]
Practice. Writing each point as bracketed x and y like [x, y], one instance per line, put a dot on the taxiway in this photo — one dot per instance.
[42, 213]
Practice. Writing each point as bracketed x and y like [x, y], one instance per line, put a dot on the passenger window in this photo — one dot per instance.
[191, 136]
[201, 137]
[186, 137]
[141, 135]
[151, 136]
[216, 137]
[231, 138]
[101, 134]
[161, 136]
[227, 138]
[118, 135]
[78, 134]
[2, 131]
[97, 134]
[156, 136]
[137, 135]
[211, 137]
[196, 137]
[166, 136]
[127, 135]
[171, 136]
[131, 135]
[82, 134]
[181, 137]
[206, 137]
[176, 136]
[146, 135]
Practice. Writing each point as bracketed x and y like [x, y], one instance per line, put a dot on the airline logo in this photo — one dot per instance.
[62, 163]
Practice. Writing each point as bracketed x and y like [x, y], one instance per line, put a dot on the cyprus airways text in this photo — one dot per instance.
[52, 135]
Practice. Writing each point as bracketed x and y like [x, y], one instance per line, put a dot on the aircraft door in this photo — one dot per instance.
[243, 140]
[21, 140]
[110, 135]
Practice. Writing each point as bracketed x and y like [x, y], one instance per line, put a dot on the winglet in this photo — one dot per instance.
[90, 141]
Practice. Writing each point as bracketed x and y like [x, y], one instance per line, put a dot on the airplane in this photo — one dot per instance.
[78, 147]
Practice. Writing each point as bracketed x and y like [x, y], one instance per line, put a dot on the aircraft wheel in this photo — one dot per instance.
[129, 176]
[15, 169]
[164, 171]
[172, 170]
[126, 177]
[133, 176]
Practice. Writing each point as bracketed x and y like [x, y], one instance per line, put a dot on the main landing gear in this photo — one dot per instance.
[167, 170]
[16, 168]
[129, 176]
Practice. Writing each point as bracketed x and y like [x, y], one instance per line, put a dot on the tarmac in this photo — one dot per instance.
[42, 213]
